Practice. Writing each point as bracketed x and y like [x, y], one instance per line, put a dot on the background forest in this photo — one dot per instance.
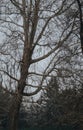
[55, 108]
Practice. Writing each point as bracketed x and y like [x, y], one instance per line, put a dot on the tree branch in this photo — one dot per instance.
[9, 75]
[16, 4]
[50, 52]
[32, 93]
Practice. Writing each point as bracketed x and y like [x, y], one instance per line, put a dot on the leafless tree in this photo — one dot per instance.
[32, 34]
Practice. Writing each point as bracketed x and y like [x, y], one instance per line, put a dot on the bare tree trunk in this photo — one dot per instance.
[81, 23]
[14, 112]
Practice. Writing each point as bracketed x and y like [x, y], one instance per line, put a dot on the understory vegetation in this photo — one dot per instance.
[63, 109]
